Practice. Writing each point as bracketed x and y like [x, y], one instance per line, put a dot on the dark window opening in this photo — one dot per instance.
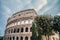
[13, 38]
[14, 30]
[17, 38]
[10, 38]
[8, 31]
[11, 30]
[21, 38]
[30, 38]
[17, 30]
[26, 30]
[26, 38]
[22, 29]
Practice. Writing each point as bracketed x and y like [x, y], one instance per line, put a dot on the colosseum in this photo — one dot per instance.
[19, 26]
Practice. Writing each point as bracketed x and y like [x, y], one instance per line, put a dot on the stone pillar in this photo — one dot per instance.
[19, 38]
[19, 30]
[28, 38]
[13, 30]
[23, 37]
[28, 29]
[15, 37]
[11, 38]
[23, 29]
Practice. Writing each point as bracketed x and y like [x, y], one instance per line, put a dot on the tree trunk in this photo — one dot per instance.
[48, 37]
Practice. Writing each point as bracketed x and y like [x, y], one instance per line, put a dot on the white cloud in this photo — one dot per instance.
[20, 4]
[23, 2]
[50, 4]
[46, 10]
[6, 11]
[44, 2]
[58, 14]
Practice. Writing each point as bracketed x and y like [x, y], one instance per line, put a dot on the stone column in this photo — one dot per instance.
[28, 29]
[15, 37]
[23, 29]
[19, 37]
[19, 30]
[28, 38]
[11, 38]
[13, 30]
[23, 37]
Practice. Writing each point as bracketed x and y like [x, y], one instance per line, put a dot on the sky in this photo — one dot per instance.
[9, 7]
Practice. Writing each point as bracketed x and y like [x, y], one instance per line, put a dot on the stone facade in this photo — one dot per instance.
[19, 26]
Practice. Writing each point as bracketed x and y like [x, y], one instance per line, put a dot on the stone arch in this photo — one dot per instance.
[22, 29]
[10, 38]
[26, 38]
[17, 38]
[26, 30]
[14, 30]
[11, 30]
[21, 38]
[13, 38]
[18, 30]
[31, 38]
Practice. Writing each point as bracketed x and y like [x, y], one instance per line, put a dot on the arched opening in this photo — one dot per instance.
[17, 30]
[31, 38]
[21, 38]
[13, 38]
[11, 30]
[17, 38]
[22, 29]
[26, 38]
[14, 30]
[26, 29]
[10, 38]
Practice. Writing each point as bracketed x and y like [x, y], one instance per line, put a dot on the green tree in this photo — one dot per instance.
[44, 25]
[1, 37]
[34, 35]
[57, 24]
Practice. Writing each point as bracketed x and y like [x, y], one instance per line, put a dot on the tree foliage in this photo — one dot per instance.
[1, 37]
[44, 25]
[56, 23]
[34, 35]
